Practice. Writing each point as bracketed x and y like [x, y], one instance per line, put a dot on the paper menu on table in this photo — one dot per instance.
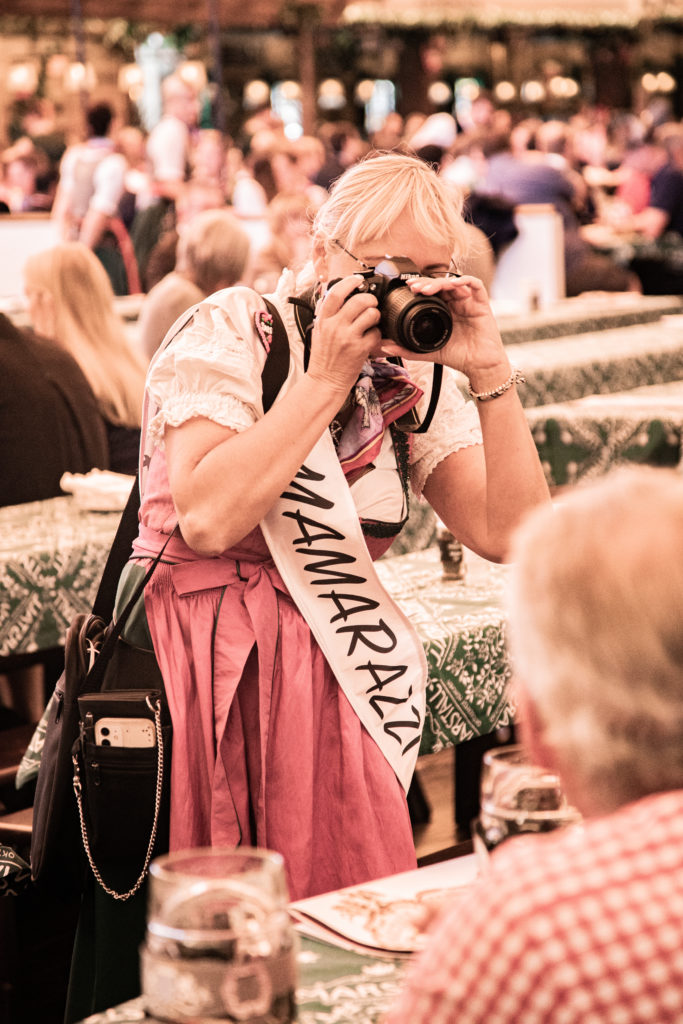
[386, 916]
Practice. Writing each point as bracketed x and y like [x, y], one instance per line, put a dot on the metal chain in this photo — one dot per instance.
[78, 787]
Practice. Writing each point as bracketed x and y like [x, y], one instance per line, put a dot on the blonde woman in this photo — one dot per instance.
[71, 302]
[296, 685]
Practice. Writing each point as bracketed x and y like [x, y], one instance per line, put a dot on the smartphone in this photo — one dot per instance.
[125, 732]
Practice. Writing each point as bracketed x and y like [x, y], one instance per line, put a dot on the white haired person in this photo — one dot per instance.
[213, 253]
[584, 924]
[296, 686]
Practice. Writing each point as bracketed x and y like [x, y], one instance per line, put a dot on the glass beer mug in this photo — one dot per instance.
[517, 796]
[219, 945]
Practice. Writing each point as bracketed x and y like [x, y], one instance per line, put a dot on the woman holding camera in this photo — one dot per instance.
[296, 686]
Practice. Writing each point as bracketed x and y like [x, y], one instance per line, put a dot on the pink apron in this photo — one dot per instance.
[267, 751]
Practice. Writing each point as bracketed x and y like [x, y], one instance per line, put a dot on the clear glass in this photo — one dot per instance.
[517, 796]
[219, 944]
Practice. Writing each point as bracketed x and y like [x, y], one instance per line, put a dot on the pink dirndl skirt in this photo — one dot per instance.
[267, 750]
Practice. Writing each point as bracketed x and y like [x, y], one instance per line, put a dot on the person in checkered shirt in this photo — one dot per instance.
[585, 925]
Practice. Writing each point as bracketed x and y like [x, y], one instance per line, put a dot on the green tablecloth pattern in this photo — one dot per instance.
[51, 559]
[335, 987]
[586, 314]
[462, 627]
[588, 437]
[598, 363]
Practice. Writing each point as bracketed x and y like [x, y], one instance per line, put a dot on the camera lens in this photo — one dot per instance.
[417, 322]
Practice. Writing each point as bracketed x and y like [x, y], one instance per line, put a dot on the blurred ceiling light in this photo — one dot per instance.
[468, 89]
[665, 82]
[80, 77]
[331, 94]
[439, 93]
[290, 89]
[193, 73]
[256, 94]
[22, 78]
[505, 92]
[131, 81]
[364, 90]
[532, 91]
[57, 65]
[562, 87]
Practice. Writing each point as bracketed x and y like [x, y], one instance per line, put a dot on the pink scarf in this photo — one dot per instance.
[382, 393]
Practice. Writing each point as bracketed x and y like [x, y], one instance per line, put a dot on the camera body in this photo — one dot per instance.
[421, 323]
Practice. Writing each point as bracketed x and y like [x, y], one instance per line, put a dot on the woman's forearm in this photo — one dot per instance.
[481, 493]
[223, 483]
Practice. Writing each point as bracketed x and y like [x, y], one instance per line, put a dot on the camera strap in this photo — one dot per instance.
[410, 423]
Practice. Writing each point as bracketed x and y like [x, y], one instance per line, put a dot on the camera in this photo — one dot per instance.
[421, 323]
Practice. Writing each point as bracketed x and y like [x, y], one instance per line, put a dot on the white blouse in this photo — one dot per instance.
[213, 368]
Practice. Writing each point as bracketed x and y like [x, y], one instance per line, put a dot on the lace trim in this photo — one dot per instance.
[458, 427]
[225, 410]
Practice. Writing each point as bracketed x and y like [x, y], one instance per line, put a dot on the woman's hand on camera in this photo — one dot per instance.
[346, 330]
[475, 346]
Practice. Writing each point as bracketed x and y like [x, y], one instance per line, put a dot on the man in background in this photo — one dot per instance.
[584, 924]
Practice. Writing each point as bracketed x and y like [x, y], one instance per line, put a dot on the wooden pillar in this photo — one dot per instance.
[307, 21]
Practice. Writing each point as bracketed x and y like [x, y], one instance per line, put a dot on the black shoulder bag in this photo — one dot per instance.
[108, 735]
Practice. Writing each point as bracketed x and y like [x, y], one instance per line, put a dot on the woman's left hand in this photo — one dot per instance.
[475, 346]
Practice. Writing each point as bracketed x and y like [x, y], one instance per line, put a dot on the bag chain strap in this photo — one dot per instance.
[78, 787]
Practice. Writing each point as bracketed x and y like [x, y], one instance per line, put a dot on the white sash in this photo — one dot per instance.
[316, 541]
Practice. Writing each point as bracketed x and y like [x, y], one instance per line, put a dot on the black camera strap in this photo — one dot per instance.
[304, 316]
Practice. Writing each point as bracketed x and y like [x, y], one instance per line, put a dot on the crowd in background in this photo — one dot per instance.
[182, 211]
[129, 195]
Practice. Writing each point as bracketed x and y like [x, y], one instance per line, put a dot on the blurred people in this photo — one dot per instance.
[289, 222]
[192, 198]
[138, 192]
[170, 141]
[209, 158]
[71, 302]
[91, 181]
[390, 133]
[521, 179]
[213, 253]
[309, 153]
[584, 924]
[19, 182]
[343, 148]
[664, 211]
[50, 423]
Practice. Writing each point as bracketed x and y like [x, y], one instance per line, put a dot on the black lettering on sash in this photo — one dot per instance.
[303, 493]
[389, 728]
[303, 522]
[358, 635]
[332, 558]
[349, 604]
[375, 702]
[382, 674]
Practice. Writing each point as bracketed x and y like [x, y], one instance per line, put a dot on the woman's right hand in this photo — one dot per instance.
[346, 329]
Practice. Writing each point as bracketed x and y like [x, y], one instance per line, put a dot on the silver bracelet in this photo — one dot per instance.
[516, 377]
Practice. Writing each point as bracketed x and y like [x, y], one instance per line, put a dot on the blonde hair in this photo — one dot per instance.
[213, 250]
[595, 604]
[370, 196]
[87, 325]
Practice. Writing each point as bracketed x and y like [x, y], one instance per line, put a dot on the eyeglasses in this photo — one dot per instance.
[451, 272]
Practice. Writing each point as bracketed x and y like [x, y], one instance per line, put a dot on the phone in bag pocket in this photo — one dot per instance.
[124, 732]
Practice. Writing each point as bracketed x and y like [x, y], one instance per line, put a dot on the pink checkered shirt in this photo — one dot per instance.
[576, 927]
